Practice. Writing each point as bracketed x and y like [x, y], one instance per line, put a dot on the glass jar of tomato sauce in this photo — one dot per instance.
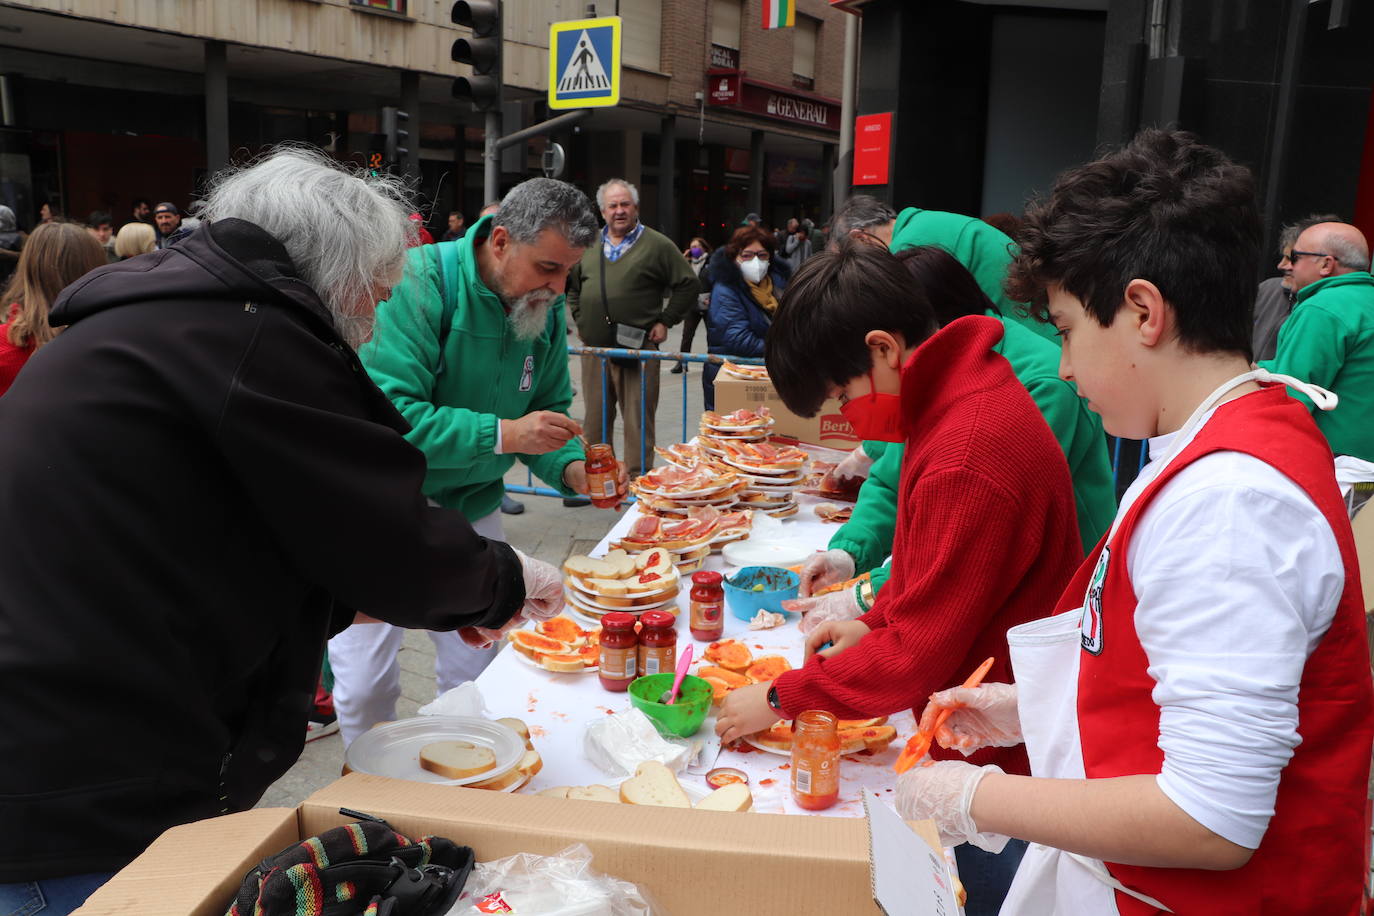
[707, 622]
[603, 476]
[657, 642]
[815, 760]
[619, 651]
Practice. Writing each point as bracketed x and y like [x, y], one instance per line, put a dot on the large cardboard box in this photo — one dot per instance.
[691, 862]
[828, 427]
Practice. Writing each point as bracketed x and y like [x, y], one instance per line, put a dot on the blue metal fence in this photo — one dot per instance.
[1121, 476]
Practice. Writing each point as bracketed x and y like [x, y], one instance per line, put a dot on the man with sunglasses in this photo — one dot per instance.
[1274, 298]
[1328, 340]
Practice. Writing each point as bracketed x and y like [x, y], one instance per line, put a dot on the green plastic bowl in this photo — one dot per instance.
[685, 716]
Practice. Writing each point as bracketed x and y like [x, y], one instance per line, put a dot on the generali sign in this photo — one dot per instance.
[735, 90]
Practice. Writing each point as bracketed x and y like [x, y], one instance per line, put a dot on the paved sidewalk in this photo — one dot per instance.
[547, 530]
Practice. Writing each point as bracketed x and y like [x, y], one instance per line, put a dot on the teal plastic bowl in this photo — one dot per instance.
[744, 598]
[685, 716]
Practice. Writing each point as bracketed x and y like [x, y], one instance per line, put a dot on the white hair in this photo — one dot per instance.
[606, 186]
[1348, 251]
[345, 230]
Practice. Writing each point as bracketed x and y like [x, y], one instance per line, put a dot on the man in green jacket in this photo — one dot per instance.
[865, 541]
[616, 295]
[1328, 339]
[470, 348]
[983, 249]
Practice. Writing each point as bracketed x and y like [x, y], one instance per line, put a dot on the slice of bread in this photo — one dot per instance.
[734, 797]
[557, 792]
[568, 663]
[655, 560]
[609, 587]
[456, 759]
[531, 763]
[563, 629]
[730, 654]
[513, 776]
[519, 727]
[654, 784]
[767, 668]
[730, 678]
[594, 793]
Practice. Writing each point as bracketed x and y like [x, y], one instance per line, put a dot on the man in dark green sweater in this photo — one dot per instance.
[626, 292]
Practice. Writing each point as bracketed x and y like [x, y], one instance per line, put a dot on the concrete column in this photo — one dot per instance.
[756, 172]
[216, 106]
[667, 172]
[410, 104]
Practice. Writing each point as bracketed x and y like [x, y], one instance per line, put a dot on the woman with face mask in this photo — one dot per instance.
[747, 281]
[696, 254]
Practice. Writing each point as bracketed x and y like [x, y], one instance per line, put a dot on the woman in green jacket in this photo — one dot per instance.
[865, 541]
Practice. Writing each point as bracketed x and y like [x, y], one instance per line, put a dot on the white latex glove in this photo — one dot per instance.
[841, 605]
[543, 589]
[943, 792]
[980, 717]
[483, 638]
[825, 568]
[854, 466]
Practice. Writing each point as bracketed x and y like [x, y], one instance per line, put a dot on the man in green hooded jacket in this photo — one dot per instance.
[1328, 339]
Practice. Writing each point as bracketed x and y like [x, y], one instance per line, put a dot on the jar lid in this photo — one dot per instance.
[618, 620]
[707, 577]
[658, 619]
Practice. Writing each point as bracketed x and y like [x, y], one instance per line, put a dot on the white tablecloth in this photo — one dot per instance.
[558, 707]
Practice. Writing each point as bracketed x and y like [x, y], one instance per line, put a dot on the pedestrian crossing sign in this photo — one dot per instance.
[584, 63]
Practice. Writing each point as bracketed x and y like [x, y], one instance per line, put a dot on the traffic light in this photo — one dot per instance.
[396, 136]
[482, 52]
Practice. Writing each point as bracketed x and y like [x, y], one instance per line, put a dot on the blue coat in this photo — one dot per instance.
[737, 324]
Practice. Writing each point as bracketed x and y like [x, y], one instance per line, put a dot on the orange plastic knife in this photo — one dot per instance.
[919, 744]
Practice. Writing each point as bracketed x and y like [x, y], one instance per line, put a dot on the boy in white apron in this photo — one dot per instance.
[1199, 711]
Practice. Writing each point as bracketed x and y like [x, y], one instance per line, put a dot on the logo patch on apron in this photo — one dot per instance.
[527, 377]
[1090, 628]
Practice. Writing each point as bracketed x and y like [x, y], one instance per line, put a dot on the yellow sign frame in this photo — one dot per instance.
[612, 96]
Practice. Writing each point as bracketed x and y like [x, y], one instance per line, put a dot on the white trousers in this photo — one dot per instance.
[367, 675]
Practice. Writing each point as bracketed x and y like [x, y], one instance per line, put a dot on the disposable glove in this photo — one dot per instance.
[825, 568]
[483, 638]
[854, 466]
[980, 717]
[841, 605]
[543, 588]
[943, 792]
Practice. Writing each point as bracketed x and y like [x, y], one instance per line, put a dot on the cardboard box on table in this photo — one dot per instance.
[828, 427]
[690, 861]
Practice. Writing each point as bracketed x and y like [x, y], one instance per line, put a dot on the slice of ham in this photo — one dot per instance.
[829, 512]
[645, 528]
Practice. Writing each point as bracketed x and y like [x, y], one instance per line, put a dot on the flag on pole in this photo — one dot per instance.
[779, 14]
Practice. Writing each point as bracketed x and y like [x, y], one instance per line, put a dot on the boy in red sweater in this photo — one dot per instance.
[986, 529]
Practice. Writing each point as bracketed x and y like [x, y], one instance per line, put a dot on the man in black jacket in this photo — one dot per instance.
[199, 484]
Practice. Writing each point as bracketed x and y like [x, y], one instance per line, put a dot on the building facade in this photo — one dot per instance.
[105, 101]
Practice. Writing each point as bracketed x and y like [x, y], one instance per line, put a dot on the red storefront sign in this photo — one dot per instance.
[734, 90]
[872, 148]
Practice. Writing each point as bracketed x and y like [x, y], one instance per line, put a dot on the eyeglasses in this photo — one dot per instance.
[750, 255]
[1295, 254]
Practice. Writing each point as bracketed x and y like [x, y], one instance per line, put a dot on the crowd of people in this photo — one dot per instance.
[227, 444]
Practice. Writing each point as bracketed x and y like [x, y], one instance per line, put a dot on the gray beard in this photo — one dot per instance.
[529, 314]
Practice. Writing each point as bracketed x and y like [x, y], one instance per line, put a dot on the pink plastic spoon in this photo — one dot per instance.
[683, 664]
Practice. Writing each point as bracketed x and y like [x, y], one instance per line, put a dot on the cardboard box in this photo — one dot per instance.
[828, 427]
[690, 861]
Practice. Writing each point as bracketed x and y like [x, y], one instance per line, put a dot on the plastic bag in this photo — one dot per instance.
[1356, 480]
[463, 700]
[619, 743]
[561, 885]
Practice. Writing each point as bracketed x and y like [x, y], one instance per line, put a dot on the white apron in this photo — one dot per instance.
[1045, 656]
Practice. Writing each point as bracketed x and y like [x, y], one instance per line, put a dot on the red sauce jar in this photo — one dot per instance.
[603, 476]
[708, 606]
[657, 642]
[815, 760]
[619, 651]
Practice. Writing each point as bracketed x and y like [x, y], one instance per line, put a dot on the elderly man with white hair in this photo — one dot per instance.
[471, 349]
[1328, 339]
[199, 484]
[626, 292]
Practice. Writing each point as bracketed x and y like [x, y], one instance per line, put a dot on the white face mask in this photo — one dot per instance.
[753, 270]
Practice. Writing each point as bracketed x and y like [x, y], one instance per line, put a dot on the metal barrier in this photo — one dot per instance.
[604, 354]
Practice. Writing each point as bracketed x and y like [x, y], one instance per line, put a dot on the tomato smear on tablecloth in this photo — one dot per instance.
[767, 782]
[537, 732]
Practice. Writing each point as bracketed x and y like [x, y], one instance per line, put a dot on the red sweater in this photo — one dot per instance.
[986, 539]
[12, 358]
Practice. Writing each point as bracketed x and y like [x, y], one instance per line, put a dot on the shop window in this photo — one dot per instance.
[382, 6]
[642, 27]
[804, 52]
[725, 21]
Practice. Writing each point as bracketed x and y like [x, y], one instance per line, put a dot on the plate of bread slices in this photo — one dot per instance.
[655, 785]
[447, 750]
[621, 581]
[729, 664]
[559, 645]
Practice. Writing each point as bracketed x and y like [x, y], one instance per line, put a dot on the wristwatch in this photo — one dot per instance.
[773, 702]
[864, 596]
